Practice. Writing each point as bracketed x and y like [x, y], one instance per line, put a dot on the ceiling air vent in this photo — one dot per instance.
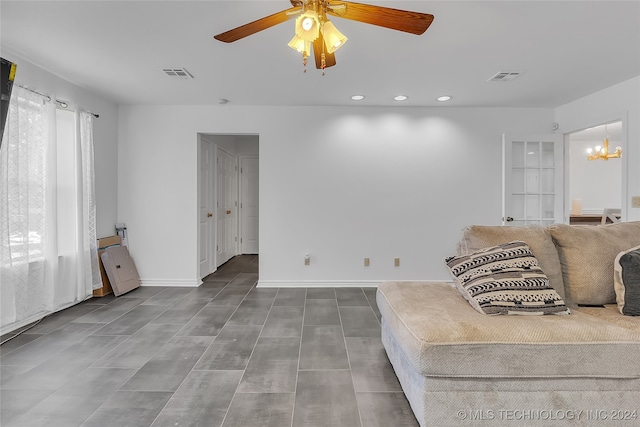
[504, 76]
[177, 73]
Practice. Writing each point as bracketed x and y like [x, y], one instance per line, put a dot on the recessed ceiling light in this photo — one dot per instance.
[444, 98]
[357, 97]
[401, 98]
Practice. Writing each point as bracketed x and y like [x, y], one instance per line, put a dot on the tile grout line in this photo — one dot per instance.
[172, 337]
[205, 350]
[136, 370]
[346, 349]
[371, 306]
[295, 388]
[244, 371]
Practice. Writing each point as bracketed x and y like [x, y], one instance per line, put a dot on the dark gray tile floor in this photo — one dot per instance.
[224, 354]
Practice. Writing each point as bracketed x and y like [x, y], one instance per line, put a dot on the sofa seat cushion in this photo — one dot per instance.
[441, 335]
[610, 313]
[587, 255]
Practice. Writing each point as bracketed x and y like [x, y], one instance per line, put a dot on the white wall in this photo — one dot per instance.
[339, 184]
[238, 145]
[105, 132]
[619, 102]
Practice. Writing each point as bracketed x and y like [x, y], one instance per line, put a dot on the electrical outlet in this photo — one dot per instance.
[396, 262]
[635, 202]
[367, 261]
[307, 260]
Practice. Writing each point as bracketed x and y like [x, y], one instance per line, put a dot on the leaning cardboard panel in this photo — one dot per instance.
[103, 244]
[120, 269]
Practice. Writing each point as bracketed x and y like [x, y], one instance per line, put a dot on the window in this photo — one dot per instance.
[23, 179]
[48, 250]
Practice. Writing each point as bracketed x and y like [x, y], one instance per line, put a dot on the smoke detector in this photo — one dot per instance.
[178, 73]
[504, 76]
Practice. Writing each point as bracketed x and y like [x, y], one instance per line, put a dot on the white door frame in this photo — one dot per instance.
[206, 209]
[210, 139]
[618, 117]
[234, 208]
[241, 197]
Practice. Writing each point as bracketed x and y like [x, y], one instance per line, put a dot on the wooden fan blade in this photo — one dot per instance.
[258, 25]
[329, 58]
[395, 19]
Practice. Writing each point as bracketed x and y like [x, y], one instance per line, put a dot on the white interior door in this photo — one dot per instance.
[206, 224]
[533, 190]
[249, 205]
[227, 203]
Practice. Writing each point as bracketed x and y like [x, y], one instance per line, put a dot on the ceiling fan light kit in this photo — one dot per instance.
[314, 28]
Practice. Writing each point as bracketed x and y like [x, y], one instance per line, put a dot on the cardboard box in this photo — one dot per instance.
[103, 244]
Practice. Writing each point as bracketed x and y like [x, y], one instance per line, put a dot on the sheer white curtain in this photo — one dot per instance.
[88, 244]
[48, 253]
[78, 273]
[23, 233]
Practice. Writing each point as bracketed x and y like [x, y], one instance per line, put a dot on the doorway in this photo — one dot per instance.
[228, 196]
[597, 184]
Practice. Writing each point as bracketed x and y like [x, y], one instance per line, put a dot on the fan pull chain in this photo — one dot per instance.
[304, 61]
[323, 58]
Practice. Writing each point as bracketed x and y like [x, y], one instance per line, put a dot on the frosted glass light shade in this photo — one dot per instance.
[300, 44]
[308, 26]
[333, 39]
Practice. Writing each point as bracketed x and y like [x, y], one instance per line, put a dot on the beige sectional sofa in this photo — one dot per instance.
[460, 367]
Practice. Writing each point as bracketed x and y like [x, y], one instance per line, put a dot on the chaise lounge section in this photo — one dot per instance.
[458, 366]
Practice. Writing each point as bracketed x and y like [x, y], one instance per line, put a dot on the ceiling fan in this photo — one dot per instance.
[313, 28]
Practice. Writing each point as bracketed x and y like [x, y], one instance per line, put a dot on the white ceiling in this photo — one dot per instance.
[612, 131]
[566, 49]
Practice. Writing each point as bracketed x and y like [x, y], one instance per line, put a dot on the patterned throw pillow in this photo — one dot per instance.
[505, 279]
[626, 281]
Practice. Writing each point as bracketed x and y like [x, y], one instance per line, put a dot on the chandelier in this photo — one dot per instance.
[602, 152]
[313, 28]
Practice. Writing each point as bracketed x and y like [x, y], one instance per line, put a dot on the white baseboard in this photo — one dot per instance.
[319, 283]
[184, 283]
[336, 283]
[41, 315]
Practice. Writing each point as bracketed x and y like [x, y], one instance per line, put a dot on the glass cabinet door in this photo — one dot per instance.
[532, 180]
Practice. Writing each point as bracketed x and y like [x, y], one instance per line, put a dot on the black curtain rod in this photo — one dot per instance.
[49, 99]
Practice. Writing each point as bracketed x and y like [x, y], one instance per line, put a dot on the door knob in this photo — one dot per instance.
[509, 219]
[209, 215]
[228, 212]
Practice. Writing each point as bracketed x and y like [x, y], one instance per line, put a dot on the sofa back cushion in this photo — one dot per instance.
[477, 237]
[587, 255]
